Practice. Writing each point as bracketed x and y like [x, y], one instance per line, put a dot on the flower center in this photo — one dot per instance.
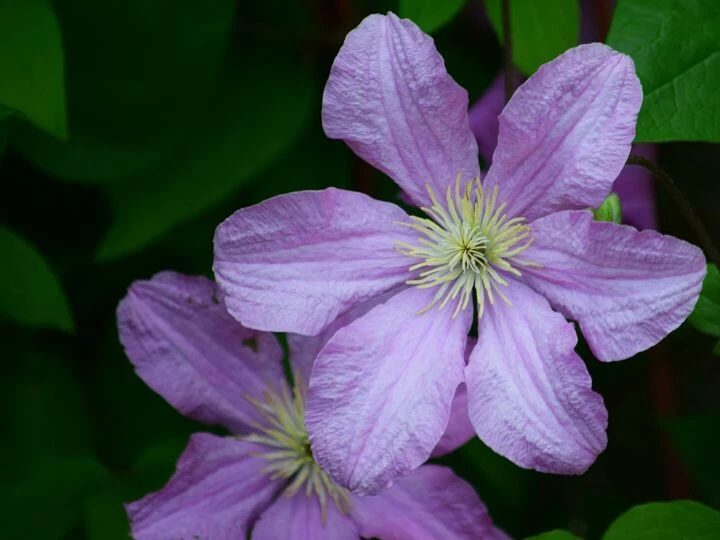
[288, 453]
[467, 245]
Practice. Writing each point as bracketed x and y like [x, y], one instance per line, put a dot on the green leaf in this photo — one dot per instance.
[105, 517]
[45, 500]
[540, 30]
[30, 294]
[430, 14]
[139, 77]
[706, 315]
[3, 135]
[263, 104]
[676, 48]
[609, 210]
[697, 441]
[554, 535]
[31, 64]
[49, 415]
[678, 520]
[5, 111]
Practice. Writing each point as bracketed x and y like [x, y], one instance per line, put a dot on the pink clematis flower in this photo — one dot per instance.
[520, 245]
[263, 478]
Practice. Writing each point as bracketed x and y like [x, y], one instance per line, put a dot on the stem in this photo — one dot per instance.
[682, 203]
[507, 52]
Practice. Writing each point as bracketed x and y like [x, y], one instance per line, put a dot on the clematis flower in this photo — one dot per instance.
[519, 248]
[263, 478]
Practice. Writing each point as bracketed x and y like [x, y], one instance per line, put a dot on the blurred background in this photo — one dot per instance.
[130, 128]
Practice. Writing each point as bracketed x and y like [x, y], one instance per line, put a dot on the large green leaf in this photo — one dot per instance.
[3, 134]
[540, 30]
[678, 520]
[430, 14]
[676, 48]
[30, 294]
[697, 441]
[49, 414]
[43, 501]
[263, 104]
[139, 74]
[31, 64]
[706, 315]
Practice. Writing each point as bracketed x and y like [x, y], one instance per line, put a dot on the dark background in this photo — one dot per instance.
[165, 142]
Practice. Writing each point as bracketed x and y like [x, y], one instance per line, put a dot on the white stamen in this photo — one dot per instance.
[465, 246]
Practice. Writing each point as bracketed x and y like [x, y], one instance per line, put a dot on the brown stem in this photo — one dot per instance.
[507, 52]
[682, 203]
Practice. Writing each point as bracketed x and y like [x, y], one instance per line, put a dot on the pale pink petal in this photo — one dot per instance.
[626, 289]
[381, 390]
[299, 518]
[529, 393]
[295, 262]
[216, 492]
[186, 347]
[566, 133]
[391, 100]
[428, 504]
[304, 349]
[484, 118]
[459, 429]
[636, 189]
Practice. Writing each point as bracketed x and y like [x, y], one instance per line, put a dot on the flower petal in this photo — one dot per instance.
[459, 429]
[295, 262]
[429, 503]
[391, 100]
[529, 393]
[299, 518]
[566, 133]
[305, 349]
[635, 188]
[381, 390]
[186, 347]
[216, 492]
[484, 118]
[626, 289]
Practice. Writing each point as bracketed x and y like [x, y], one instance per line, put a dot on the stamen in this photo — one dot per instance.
[288, 453]
[465, 247]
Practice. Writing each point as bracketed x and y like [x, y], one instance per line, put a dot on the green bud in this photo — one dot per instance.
[609, 210]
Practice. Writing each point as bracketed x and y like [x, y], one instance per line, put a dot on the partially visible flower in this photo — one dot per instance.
[263, 478]
[520, 245]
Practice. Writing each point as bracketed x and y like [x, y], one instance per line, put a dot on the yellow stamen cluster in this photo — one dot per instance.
[289, 455]
[467, 245]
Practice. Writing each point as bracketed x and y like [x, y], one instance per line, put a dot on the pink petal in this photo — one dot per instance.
[484, 118]
[305, 349]
[459, 429]
[428, 504]
[529, 394]
[636, 188]
[295, 262]
[299, 518]
[216, 492]
[566, 133]
[187, 348]
[381, 390]
[626, 289]
[391, 100]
